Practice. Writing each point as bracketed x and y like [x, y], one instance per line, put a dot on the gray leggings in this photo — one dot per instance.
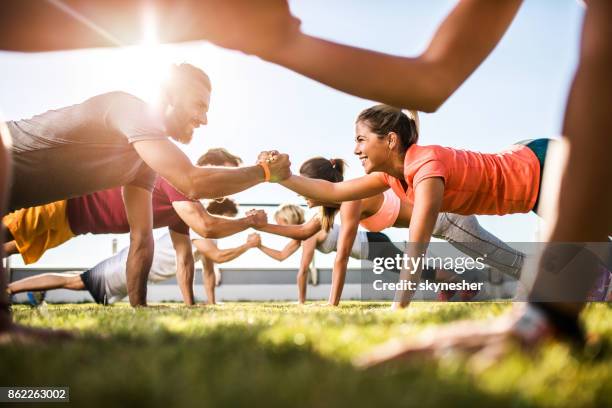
[466, 234]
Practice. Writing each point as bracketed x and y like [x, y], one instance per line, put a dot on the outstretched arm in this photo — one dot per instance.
[462, 42]
[283, 254]
[349, 216]
[213, 226]
[299, 232]
[184, 265]
[326, 191]
[196, 182]
[210, 250]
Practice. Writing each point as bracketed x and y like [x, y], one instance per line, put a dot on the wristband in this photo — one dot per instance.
[266, 170]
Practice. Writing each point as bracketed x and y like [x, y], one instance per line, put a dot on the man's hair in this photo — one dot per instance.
[218, 157]
[184, 73]
[226, 206]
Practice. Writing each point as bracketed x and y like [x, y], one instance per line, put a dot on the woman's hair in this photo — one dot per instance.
[324, 169]
[218, 157]
[293, 214]
[227, 206]
[383, 119]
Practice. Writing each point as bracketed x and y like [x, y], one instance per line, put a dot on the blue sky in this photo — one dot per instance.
[518, 93]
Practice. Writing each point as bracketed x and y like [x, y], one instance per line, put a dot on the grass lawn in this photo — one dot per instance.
[282, 355]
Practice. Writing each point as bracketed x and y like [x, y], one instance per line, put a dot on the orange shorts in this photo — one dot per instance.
[37, 229]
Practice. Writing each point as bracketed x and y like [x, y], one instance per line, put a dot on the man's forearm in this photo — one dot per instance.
[215, 182]
[208, 279]
[138, 265]
[220, 227]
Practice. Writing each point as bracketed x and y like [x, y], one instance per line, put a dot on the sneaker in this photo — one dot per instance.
[36, 298]
[601, 287]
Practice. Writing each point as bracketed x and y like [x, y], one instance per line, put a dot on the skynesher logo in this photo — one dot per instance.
[381, 286]
[399, 262]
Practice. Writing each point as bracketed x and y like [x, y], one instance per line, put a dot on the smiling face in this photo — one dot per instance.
[373, 151]
[188, 110]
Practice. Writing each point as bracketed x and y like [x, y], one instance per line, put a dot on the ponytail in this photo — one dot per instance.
[331, 170]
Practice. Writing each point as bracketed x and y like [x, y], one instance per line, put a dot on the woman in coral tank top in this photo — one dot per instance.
[432, 179]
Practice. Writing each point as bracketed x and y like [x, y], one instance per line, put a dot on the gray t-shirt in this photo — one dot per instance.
[82, 148]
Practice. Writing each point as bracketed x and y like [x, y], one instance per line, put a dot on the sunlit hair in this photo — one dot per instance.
[384, 119]
[184, 74]
[226, 206]
[291, 213]
[325, 169]
[218, 156]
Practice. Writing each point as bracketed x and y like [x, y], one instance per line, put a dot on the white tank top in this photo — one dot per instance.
[330, 243]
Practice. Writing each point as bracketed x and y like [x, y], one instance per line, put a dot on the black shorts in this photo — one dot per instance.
[95, 284]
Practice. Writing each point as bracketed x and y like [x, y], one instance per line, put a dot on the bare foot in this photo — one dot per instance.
[18, 334]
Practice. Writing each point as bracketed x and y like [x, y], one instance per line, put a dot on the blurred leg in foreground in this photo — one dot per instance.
[9, 331]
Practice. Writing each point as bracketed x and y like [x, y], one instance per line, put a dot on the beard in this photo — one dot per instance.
[180, 129]
[183, 138]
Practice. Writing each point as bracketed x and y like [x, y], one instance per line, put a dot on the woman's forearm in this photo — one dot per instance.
[329, 192]
[307, 52]
[229, 254]
[338, 279]
[272, 253]
[298, 232]
[464, 39]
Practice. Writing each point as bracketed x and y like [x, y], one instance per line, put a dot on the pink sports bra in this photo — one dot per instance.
[386, 215]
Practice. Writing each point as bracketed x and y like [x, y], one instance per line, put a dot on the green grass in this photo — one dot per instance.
[280, 355]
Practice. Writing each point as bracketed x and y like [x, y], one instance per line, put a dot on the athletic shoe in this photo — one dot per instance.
[446, 295]
[467, 295]
[601, 287]
[36, 298]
